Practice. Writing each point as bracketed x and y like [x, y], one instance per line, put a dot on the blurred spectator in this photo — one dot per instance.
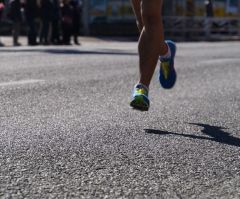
[15, 15]
[31, 13]
[209, 8]
[76, 19]
[190, 8]
[56, 16]
[67, 21]
[1, 12]
[46, 13]
[1, 8]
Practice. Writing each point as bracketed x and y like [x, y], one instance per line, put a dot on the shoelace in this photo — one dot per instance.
[141, 91]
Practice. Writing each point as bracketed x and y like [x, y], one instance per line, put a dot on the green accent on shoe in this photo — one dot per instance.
[165, 69]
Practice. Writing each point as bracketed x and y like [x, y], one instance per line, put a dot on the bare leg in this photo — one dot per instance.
[151, 41]
[136, 4]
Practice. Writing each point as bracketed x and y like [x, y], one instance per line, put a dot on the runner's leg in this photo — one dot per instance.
[151, 41]
[136, 4]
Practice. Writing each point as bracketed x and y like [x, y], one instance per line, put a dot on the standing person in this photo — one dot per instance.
[76, 19]
[16, 16]
[31, 13]
[67, 22]
[152, 45]
[1, 8]
[1, 12]
[46, 11]
[55, 38]
[209, 8]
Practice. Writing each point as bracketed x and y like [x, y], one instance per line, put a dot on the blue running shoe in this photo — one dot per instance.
[140, 99]
[167, 74]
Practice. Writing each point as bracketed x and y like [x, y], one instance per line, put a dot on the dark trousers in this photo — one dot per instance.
[45, 31]
[76, 31]
[55, 32]
[16, 31]
[32, 33]
[67, 33]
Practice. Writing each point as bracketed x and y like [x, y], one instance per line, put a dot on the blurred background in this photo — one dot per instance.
[57, 21]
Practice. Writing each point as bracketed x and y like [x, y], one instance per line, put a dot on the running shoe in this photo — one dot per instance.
[167, 74]
[140, 99]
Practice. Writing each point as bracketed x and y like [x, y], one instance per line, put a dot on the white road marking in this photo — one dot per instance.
[21, 82]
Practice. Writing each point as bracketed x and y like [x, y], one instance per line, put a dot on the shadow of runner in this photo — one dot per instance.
[216, 134]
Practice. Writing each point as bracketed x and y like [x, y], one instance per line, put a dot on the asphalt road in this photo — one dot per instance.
[67, 131]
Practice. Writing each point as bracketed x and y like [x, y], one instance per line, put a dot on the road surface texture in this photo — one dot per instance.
[67, 130]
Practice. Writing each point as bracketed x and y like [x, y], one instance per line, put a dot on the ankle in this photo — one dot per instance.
[167, 52]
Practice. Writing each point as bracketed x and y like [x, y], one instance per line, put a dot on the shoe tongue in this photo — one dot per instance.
[164, 59]
[140, 86]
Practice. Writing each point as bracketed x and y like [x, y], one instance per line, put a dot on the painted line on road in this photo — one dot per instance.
[21, 82]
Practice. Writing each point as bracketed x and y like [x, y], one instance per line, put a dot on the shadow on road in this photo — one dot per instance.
[72, 51]
[216, 134]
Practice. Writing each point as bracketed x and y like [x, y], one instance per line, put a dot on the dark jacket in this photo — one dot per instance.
[1, 8]
[67, 15]
[31, 9]
[46, 10]
[56, 14]
[15, 11]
